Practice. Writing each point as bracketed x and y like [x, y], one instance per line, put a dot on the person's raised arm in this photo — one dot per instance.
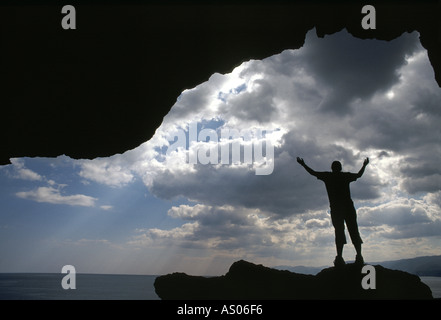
[365, 163]
[308, 169]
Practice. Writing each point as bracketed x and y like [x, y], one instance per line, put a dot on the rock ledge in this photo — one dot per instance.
[246, 280]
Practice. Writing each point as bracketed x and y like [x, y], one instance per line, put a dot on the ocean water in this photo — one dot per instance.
[47, 286]
[434, 284]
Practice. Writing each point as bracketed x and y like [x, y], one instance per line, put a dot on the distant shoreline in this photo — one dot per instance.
[424, 266]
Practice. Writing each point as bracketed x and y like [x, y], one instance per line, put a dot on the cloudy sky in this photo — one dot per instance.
[149, 211]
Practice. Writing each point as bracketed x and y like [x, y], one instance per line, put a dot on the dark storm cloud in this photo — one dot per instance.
[275, 193]
[289, 190]
[257, 105]
[426, 183]
[355, 68]
[428, 103]
[222, 227]
[409, 121]
[429, 229]
[405, 212]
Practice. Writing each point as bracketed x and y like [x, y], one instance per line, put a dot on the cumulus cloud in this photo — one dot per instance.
[51, 192]
[393, 213]
[54, 196]
[102, 171]
[228, 228]
[21, 172]
[402, 218]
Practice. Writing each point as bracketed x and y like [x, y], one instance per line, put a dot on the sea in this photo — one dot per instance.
[47, 286]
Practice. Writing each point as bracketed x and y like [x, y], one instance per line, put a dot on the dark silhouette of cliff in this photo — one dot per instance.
[105, 87]
[246, 280]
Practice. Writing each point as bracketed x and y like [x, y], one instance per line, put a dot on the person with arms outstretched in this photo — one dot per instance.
[342, 206]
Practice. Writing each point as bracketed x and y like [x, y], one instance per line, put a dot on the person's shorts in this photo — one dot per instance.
[341, 215]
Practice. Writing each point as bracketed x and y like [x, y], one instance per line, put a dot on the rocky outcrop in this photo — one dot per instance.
[105, 87]
[246, 280]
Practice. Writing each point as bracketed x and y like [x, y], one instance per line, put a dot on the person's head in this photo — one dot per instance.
[336, 166]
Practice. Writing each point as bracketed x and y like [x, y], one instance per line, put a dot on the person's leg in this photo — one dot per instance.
[340, 238]
[358, 248]
[351, 222]
[339, 249]
[339, 261]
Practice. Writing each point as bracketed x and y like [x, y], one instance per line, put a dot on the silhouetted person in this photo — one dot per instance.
[342, 207]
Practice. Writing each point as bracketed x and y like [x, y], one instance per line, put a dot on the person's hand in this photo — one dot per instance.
[300, 160]
[366, 161]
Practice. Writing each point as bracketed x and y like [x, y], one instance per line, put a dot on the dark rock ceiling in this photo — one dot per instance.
[105, 87]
